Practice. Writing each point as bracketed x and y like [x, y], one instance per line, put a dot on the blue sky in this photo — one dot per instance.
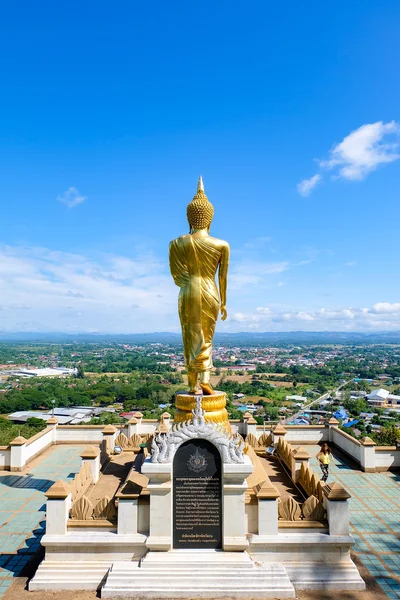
[109, 112]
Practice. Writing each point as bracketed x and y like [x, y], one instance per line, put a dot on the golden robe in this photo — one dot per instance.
[194, 263]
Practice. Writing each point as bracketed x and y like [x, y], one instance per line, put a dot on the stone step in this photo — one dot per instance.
[209, 593]
[221, 580]
[202, 560]
[63, 575]
[177, 579]
[330, 576]
[200, 567]
[194, 585]
[228, 573]
[50, 564]
[197, 556]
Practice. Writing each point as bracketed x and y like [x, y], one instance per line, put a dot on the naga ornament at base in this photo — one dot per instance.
[231, 447]
[214, 406]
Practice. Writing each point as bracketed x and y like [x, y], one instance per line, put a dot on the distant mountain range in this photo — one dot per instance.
[243, 338]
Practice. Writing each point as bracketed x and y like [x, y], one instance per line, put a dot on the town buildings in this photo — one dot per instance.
[383, 399]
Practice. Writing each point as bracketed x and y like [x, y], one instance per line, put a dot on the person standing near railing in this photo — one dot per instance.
[324, 458]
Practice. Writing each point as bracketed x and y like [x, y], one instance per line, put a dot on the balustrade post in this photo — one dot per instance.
[167, 419]
[367, 458]
[278, 432]
[53, 422]
[251, 426]
[331, 424]
[267, 497]
[128, 518]
[337, 508]
[91, 456]
[299, 456]
[109, 434]
[138, 416]
[17, 453]
[57, 508]
[132, 427]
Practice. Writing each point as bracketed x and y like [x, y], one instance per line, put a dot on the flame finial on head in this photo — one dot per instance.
[200, 185]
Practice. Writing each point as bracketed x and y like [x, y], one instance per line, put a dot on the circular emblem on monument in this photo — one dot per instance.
[197, 462]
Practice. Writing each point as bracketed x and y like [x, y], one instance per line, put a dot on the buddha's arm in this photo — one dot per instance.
[223, 278]
[177, 266]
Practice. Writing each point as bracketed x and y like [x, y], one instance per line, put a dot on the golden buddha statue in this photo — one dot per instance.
[194, 260]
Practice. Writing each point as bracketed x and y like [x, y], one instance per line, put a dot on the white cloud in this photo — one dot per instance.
[264, 310]
[249, 273]
[48, 290]
[304, 316]
[306, 186]
[386, 308]
[381, 316]
[72, 292]
[71, 197]
[358, 154]
[364, 149]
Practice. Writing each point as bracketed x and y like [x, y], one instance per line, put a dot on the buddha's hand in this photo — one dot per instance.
[224, 314]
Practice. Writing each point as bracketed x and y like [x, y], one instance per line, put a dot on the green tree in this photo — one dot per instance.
[272, 413]
[80, 374]
[107, 418]
[35, 421]
[388, 435]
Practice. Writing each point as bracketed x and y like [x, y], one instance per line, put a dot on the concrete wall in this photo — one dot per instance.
[252, 518]
[387, 457]
[148, 426]
[93, 433]
[306, 434]
[37, 443]
[346, 443]
[79, 433]
[143, 524]
[296, 434]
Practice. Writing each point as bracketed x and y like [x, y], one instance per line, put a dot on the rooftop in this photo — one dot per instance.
[23, 415]
[45, 372]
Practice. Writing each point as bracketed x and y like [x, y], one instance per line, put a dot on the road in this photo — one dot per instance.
[307, 406]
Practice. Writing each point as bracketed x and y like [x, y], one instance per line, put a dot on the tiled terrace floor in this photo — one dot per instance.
[374, 518]
[22, 508]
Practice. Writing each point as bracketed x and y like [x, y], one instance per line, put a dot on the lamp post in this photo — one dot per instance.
[52, 410]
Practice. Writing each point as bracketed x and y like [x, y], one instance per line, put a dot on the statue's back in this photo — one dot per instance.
[201, 254]
[194, 260]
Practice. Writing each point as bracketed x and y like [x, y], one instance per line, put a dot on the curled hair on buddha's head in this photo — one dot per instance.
[200, 211]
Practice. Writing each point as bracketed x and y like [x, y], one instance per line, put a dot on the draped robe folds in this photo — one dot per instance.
[194, 263]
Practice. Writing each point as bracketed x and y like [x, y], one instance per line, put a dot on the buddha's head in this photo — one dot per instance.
[200, 211]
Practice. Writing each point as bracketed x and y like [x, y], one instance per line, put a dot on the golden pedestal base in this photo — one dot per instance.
[214, 406]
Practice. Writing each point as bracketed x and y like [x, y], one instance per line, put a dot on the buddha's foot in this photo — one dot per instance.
[207, 389]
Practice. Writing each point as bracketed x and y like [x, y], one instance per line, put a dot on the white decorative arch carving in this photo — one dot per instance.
[231, 447]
